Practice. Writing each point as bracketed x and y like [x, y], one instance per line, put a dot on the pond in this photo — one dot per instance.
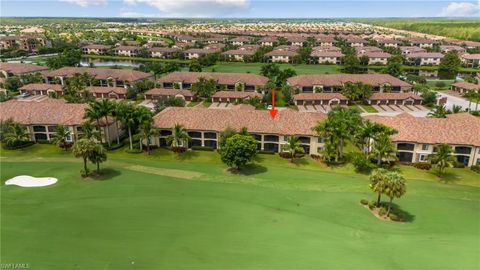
[86, 62]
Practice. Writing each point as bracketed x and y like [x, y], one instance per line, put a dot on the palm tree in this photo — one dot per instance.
[469, 96]
[395, 188]
[378, 182]
[384, 149]
[442, 158]
[146, 132]
[90, 132]
[105, 108]
[93, 113]
[179, 136]
[127, 114]
[456, 108]
[98, 155]
[83, 149]
[60, 137]
[439, 111]
[116, 118]
[15, 134]
[293, 146]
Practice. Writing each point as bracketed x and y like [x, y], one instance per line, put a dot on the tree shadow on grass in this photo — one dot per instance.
[300, 162]
[188, 155]
[447, 178]
[405, 216]
[105, 174]
[250, 169]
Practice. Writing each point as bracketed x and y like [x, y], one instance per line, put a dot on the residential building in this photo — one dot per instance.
[95, 49]
[162, 52]
[156, 93]
[311, 83]
[204, 126]
[376, 58]
[241, 53]
[448, 48]
[18, 69]
[394, 99]
[471, 60]
[45, 89]
[240, 40]
[283, 54]
[326, 57]
[406, 50]
[225, 81]
[104, 77]
[329, 99]
[234, 96]
[463, 87]
[417, 137]
[424, 59]
[26, 43]
[126, 50]
[268, 41]
[385, 42]
[423, 43]
[296, 40]
[42, 117]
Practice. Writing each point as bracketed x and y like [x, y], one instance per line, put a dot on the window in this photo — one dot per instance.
[285, 138]
[478, 161]
[39, 129]
[52, 129]
[422, 158]
[68, 138]
[425, 147]
[321, 140]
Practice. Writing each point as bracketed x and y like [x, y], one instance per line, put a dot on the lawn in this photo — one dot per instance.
[433, 84]
[255, 68]
[163, 212]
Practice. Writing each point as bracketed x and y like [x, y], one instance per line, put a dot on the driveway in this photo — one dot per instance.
[455, 100]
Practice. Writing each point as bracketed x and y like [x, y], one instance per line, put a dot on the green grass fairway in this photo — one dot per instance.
[160, 212]
[255, 68]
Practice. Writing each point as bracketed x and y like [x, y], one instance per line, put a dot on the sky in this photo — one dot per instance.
[240, 8]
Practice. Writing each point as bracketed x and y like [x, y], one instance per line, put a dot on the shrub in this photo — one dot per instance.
[475, 168]
[18, 145]
[202, 148]
[285, 155]
[382, 211]
[315, 157]
[266, 152]
[362, 164]
[440, 84]
[423, 166]
[371, 205]
[364, 201]
[457, 164]
[178, 149]
[43, 142]
[394, 217]
[134, 151]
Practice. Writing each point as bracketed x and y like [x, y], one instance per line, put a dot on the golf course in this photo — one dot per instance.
[167, 212]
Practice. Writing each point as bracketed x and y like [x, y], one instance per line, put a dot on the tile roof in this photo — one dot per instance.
[319, 53]
[319, 96]
[425, 55]
[239, 52]
[341, 79]
[466, 85]
[96, 46]
[162, 49]
[471, 56]
[460, 128]
[41, 87]
[20, 68]
[48, 112]
[287, 122]
[106, 90]
[169, 92]
[101, 73]
[236, 94]
[221, 78]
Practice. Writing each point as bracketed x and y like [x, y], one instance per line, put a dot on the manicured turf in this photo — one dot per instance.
[255, 68]
[160, 212]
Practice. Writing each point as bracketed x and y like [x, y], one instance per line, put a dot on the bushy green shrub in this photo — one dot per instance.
[475, 168]
[382, 211]
[315, 157]
[202, 148]
[423, 166]
[394, 217]
[19, 145]
[178, 149]
[371, 205]
[285, 155]
[440, 84]
[364, 201]
[457, 164]
[362, 164]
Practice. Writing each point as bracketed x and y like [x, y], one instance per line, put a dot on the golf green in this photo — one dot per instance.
[160, 212]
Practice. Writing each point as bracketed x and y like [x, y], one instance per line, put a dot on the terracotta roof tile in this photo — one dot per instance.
[101, 73]
[319, 96]
[20, 68]
[221, 78]
[341, 79]
[236, 94]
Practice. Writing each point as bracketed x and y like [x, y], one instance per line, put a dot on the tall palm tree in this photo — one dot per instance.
[146, 132]
[105, 108]
[378, 182]
[395, 188]
[127, 114]
[439, 111]
[179, 136]
[293, 146]
[90, 132]
[92, 113]
[442, 158]
[384, 149]
[60, 137]
[83, 149]
[116, 118]
[98, 155]
[15, 134]
[469, 96]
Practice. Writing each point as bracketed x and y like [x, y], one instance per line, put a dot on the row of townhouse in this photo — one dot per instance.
[415, 139]
[333, 99]
[26, 43]
[131, 51]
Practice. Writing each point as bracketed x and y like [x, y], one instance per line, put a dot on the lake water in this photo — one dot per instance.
[85, 62]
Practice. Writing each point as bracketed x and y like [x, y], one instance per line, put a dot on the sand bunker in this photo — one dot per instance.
[29, 181]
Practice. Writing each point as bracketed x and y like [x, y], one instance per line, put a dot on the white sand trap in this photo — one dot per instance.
[29, 181]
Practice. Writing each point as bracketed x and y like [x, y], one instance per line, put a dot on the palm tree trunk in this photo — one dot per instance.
[148, 146]
[340, 149]
[389, 206]
[118, 133]
[378, 198]
[379, 159]
[99, 129]
[85, 166]
[98, 167]
[107, 133]
[130, 137]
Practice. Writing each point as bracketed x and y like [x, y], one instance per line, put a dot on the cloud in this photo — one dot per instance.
[461, 9]
[195, 8]
[86, 3]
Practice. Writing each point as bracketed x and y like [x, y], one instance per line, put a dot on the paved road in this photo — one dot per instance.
[454, 100]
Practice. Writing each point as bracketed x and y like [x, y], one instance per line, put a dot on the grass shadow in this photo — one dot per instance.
[404, 215]
[105, 174]
[250, 169]
[300, 161]
[188, 155]
[447, 178]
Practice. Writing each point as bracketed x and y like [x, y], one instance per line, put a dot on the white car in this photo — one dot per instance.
[26, 94]
[269, 107]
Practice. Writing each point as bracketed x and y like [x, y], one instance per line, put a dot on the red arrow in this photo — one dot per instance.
[273, 111]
